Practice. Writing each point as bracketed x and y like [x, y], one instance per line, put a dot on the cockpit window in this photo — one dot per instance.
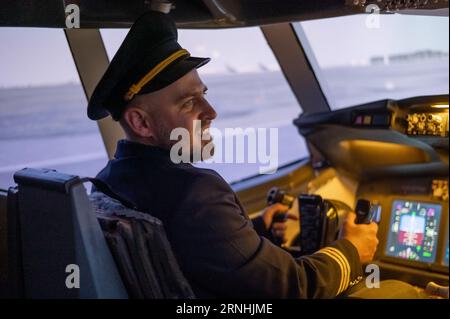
[363, 58]
[43, 122]
[245, 86]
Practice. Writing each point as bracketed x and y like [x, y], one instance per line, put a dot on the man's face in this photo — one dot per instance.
[178, 106]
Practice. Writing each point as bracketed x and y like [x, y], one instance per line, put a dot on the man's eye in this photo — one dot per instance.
[189, 104]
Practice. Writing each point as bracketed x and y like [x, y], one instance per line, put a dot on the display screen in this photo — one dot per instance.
[414, 230]
[446, 252]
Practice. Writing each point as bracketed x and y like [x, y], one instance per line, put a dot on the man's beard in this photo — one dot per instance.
[199, 150]
[202, 146]
[164, 140]
[207, 145]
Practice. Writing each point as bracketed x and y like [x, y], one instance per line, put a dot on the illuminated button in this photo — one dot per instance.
[359, 120]
[367, 120]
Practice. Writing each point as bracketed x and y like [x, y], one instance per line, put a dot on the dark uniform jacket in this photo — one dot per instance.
[217, 246]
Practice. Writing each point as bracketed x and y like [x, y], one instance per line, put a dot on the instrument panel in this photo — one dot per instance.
[428, 124]
[409, 181]
[394, 5]
[414, 229]
[421, 119]
[410, 118]
[413, 117]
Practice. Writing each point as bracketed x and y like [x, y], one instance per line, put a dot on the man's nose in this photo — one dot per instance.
[208, 111]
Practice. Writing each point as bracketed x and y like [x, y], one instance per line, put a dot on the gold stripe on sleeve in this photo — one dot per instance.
[344, 266]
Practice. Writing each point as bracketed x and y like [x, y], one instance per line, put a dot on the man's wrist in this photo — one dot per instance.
[260, 226]
[351, 247]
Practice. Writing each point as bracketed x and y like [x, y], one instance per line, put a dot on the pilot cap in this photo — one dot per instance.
[148, 60]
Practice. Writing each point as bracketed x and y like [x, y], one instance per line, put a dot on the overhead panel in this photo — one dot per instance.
[201, 13]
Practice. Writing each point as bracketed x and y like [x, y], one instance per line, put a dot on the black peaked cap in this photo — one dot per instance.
[151, 44]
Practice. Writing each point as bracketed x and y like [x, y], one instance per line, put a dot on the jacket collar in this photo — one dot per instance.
[127, 148]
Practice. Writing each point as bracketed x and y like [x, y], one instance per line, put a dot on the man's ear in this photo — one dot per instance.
[139, 122]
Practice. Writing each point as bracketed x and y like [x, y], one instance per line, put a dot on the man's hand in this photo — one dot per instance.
[279, 227]
[362, 236]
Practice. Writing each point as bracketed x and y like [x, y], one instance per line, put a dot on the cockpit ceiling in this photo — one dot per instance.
[201, 13]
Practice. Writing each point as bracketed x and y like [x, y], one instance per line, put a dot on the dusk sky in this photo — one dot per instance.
[41, 56]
